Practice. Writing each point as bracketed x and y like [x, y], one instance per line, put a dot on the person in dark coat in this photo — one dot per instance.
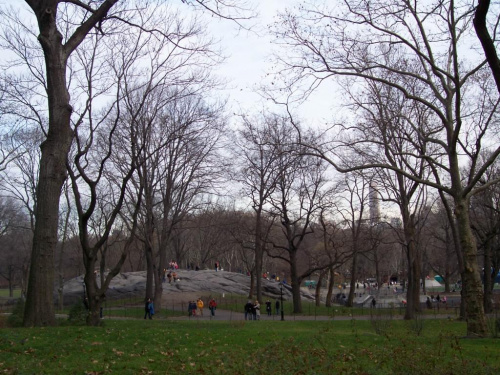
[148, 309]
[192, 308]
[248, 310]
[268, 307]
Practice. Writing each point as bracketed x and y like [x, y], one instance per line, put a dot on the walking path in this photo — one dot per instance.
[226, 315]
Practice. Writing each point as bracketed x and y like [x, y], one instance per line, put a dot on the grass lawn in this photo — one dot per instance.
[4, 293]
[248, 347]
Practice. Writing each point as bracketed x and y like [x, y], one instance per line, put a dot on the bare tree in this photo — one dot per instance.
[257, 157]
[393, 128]
[15, 238]
[62, 26]
[442, 256]
[295, 203]
[397, 44]
[353, 212]
[485, 212]
[333, 248]
[180, 167]
[99, 178]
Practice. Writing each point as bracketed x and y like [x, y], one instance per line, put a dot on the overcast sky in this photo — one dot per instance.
[248, 63]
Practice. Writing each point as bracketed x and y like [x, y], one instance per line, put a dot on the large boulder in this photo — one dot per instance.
[131, 284]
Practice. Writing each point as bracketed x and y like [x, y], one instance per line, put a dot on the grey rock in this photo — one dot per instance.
[133, 284]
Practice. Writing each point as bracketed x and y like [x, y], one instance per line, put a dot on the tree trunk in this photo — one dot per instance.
[150, 267]
[317, 294]
[331, 284]
[11, 280]
[158, 296]
[352, 284]
[258, 254]
[295, 280]
[252, 284]
[95, 297]
[472, 290]
[39, 310]
[377, 268]
[414, 276]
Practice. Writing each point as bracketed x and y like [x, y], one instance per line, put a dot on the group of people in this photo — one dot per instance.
[436, 299]
[252, 309]
[172, 276]
[196, 307]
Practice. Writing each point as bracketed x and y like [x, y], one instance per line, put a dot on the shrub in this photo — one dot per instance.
[16, 318]
[78, 313]
[417, 324]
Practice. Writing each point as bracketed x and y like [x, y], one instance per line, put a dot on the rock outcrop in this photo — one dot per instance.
[126, 285]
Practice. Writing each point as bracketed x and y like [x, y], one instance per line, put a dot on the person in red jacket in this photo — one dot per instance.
[212, 305]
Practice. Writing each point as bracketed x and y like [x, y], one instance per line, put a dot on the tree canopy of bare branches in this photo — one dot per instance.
[418, 49]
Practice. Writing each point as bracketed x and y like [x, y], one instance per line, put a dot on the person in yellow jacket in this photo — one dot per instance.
[200, 305]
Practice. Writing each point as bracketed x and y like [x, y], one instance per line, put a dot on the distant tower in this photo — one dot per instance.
[374, 204]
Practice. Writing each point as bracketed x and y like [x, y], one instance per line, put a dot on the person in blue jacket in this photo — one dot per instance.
[149, 309]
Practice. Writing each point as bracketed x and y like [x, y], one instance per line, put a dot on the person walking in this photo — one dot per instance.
[277, 307]
[200, 305]
[192, 308]
[268, 307]
[149, 309]
[248, 310]
[256, 310]
[212, 305]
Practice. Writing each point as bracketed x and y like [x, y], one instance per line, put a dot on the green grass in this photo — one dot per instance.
[265, 347]
[4, 293]
[138, 312]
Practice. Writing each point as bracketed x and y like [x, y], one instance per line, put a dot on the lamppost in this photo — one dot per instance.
[281, 291]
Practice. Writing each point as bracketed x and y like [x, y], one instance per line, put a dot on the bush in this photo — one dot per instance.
[78, 313]
[380, 322]
[417, 324]
[494, 326]
[16, 318]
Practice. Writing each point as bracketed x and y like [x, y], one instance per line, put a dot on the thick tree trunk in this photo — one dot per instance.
[39, 300]
[95, 297]
[414, 276]
[39, 309]
[472, 290]
[413, 288]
